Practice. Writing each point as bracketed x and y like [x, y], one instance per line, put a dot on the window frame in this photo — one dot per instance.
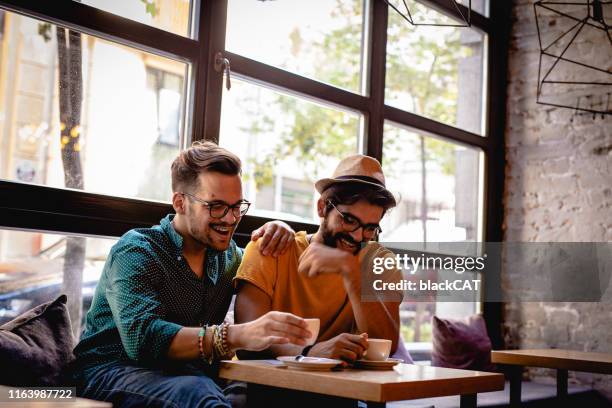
[26, 206]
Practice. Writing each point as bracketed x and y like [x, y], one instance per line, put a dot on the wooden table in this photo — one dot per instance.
[272, 384]
[561, 360]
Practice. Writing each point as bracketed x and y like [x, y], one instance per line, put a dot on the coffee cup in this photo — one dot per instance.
[378, 349]
[313, 328]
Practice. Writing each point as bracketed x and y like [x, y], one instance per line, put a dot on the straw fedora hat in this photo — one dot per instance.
[356, 169]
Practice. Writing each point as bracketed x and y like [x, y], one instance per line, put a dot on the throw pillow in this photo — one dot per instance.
[461, 344]
[35, 346]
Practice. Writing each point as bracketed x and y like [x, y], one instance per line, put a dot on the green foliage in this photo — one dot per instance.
[420, 68]
[424, 68]
[407, 332]
[422, 71]
[443, 153]
[316, 135]
[150, 7]
[399, 141]
[44, 30]
[340, 50]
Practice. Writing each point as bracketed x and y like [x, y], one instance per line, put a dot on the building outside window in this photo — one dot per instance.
[166, 90]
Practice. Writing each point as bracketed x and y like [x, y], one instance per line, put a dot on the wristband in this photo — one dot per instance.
[220, 341]
[201, 335]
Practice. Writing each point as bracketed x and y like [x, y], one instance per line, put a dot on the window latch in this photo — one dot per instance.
[222, 65]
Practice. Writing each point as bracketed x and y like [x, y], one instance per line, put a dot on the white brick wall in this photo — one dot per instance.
[558, 188]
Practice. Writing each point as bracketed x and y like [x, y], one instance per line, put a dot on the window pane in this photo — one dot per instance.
[438, 182]
[416, 321]
[286, 144]
[436, 72]
[119, 139]
[169, 15]
[34, 269]
[321, 41]
[479, 6]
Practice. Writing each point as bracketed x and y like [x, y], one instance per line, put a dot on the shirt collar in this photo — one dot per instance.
[213, 261]
[168, 228]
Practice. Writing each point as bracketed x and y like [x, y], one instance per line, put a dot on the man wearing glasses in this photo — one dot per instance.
[156, 324]
[320, 275]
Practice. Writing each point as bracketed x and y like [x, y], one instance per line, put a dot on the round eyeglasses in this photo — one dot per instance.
[218, 209]
[352, 224]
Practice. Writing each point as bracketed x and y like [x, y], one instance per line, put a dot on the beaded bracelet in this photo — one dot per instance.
[226, 350]
[217, 341]
[220, 341]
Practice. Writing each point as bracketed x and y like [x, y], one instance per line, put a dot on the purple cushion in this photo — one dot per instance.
[461, 344]
[401, 352]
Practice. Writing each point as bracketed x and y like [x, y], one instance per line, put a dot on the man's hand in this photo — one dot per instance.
[271, 328]
[318, 259]
[276, 238]
[347, 347]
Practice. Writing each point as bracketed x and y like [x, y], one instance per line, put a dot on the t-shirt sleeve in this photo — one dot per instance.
[257, 269]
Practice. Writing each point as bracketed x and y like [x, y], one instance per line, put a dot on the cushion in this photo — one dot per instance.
[461, 344]
[36, 345]
[402, 352]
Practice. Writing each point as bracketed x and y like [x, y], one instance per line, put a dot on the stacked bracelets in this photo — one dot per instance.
[219, 348]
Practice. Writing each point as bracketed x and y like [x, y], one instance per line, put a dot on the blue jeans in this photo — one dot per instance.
[133, 386]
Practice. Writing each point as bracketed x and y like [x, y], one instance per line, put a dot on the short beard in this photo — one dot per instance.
[331, 240]
[199, 235]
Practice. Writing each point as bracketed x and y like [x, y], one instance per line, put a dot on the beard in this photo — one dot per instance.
[208, 237]
[331, 239]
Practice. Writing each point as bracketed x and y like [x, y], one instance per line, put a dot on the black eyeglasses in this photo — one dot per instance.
[352, 223]
[218, 209]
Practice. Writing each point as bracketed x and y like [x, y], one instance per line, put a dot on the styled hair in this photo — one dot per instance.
[350, 192]
[202, 157]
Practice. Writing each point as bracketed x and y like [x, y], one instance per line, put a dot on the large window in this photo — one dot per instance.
[98, 97]
[86, 113]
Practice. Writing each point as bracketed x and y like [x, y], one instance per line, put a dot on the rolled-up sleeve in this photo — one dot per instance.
[135, 305]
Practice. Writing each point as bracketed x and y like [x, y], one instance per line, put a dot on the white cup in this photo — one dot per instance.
[313, 327]
[378, 349]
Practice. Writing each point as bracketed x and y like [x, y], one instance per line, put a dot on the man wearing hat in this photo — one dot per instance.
[320, 275]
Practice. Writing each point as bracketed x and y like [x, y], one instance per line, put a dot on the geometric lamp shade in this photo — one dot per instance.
[573, 73]
[429, 13]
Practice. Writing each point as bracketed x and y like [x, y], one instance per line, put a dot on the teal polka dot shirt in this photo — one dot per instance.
[147, 292]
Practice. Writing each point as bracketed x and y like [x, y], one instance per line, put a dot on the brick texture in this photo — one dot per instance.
[558, 189]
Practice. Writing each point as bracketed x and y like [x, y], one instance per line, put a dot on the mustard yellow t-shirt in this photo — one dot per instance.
[322, 297]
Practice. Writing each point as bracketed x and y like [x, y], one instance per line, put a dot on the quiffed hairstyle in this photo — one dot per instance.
[199, 158]
[350, 192]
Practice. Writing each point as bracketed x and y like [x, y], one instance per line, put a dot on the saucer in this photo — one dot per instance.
[309, 363]
[387, 364]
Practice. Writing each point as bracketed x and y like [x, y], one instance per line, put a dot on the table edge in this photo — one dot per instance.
[513, 357]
